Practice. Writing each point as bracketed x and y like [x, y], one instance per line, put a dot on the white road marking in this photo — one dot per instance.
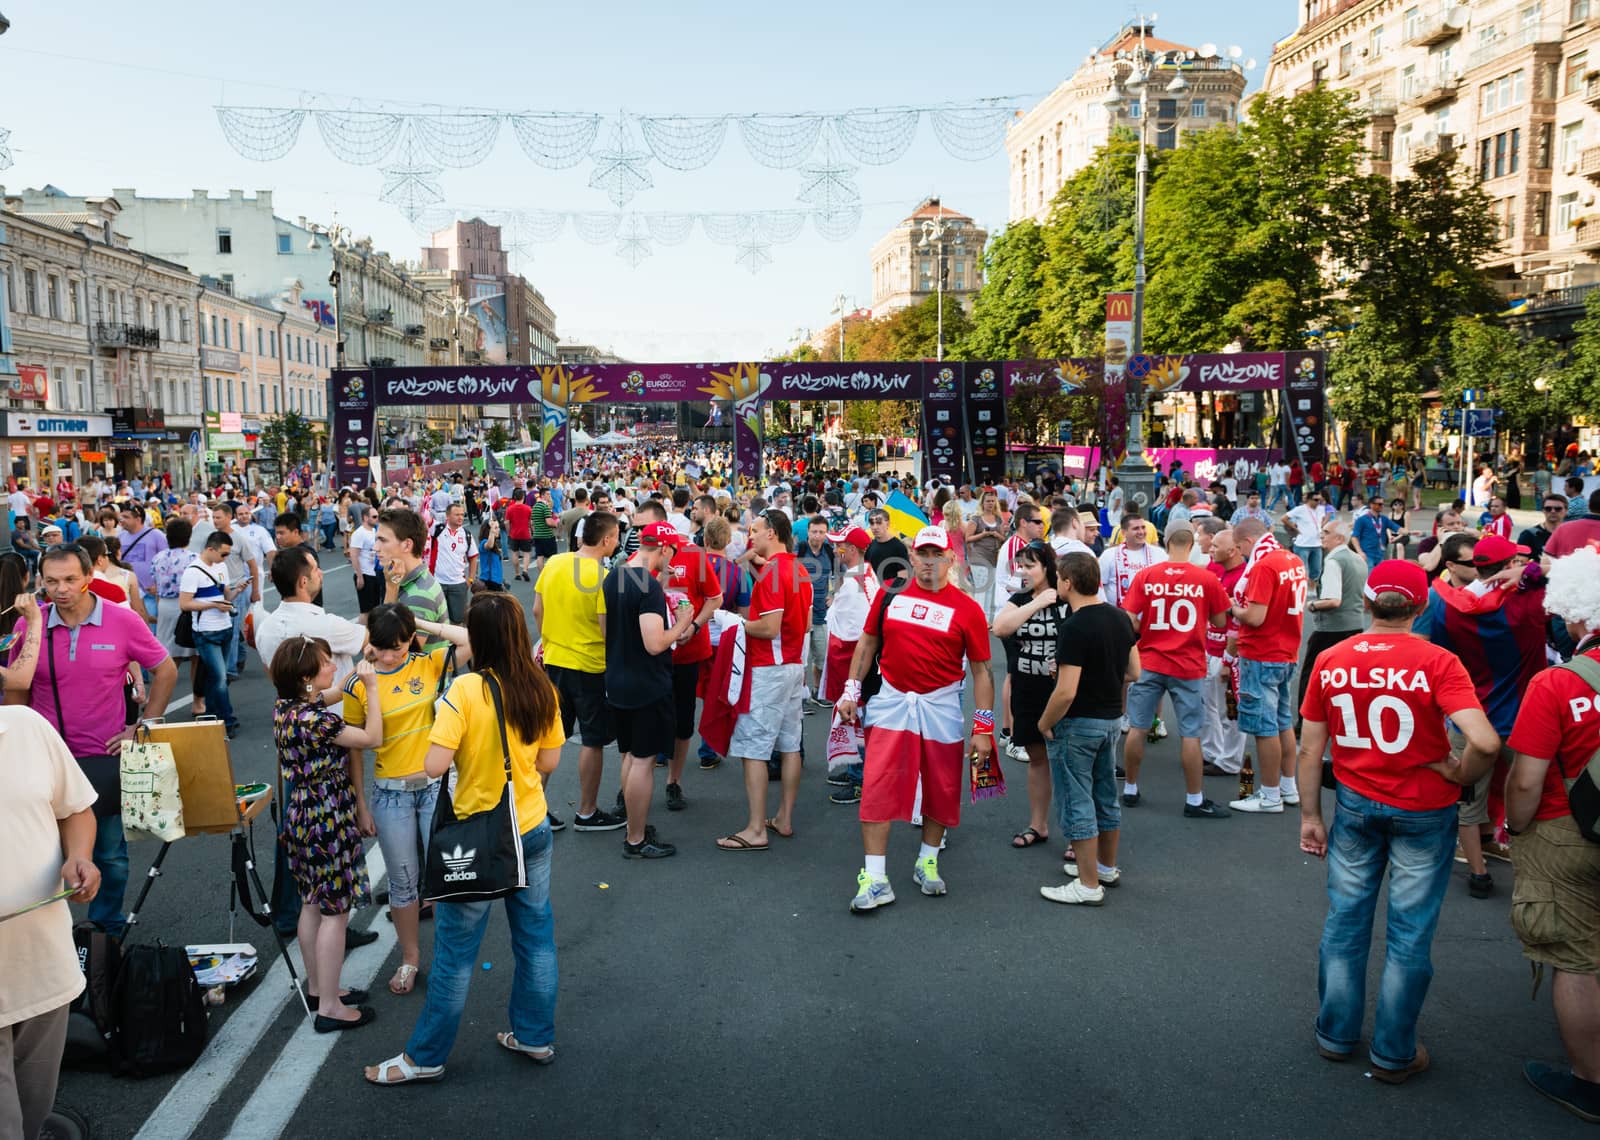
[188, 1102]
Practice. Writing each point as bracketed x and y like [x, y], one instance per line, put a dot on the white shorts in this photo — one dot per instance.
[776, 714]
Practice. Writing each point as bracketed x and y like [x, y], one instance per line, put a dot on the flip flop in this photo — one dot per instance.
[772, 826]
[738, 843]
[538, 1054]
[1029, 836]
[409, 1072]
[406, 975]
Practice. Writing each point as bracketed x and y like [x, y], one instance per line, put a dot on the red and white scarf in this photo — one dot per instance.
[1265, 545]
[1126, 569]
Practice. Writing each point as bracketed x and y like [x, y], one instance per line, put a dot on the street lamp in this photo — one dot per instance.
[458, 310]
[933, 234]
[338, 237]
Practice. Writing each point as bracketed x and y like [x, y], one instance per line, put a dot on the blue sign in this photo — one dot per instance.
[194, 442]
[1140, 366]
[1469, 395]
[1480, 422]
[1064, 432]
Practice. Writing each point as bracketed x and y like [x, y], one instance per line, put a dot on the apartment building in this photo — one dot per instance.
[1513, 89]
[1054, 140]
[908, 260]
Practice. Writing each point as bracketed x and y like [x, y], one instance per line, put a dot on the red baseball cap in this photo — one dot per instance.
[659, 534]
[854, 536]
[1491, 548]
[1397, 576]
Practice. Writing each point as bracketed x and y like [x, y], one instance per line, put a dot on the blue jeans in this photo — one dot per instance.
[1266, 697]
[404, 820]
[1279, 492]
[234, 654]
[211, 646]
[1083, 776]
[111, 857]
[1333, 496]
[1416, 849]
[1312, 557]
[457, 934]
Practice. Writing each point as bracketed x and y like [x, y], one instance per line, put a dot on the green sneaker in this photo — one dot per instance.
[871, 893]
[927, 876]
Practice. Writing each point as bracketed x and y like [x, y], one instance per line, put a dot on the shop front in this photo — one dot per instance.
[142, 444]
[44, 449]
[230, 444]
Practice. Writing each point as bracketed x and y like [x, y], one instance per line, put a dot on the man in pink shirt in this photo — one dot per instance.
[89, 649]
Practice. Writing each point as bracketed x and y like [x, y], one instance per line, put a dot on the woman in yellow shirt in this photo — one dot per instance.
[403, 794]
[466, 733]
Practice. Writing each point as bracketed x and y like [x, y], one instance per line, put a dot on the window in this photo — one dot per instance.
[230, 394]
[75, 300]
[1571, 142]
[261, 341]
[261, 401]
[58, 387]
[1566, 211]
[285, 243]
[1500, 154]
[227, 337]
[30, 289]
[1405, 143]
[1347, 55]
[1541, 214]
[213, 331]
[1167, 138]
[277, 402]
[82, 377]
[1413, 22]
[1577, 10]
[1485, 149]
[244, 398]
[1197, 108]
[1135, 108]
[1514, 151]
[183, 325]
[1577, 64]
[1542, 145]
[224, 241]
[53, 296]
[1375, 44]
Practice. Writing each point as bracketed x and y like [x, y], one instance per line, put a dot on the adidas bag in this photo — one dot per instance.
[477, 857]
[91, 1029]
[159, 1011]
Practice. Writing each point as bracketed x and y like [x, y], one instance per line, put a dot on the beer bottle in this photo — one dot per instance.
[1247, 779]
[1230, 702]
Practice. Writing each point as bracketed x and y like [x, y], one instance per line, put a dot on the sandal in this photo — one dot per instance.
[538, 1054]
[1027, 837]
[772, 826]
[405, 1072]
[404, 980]
[738, 842]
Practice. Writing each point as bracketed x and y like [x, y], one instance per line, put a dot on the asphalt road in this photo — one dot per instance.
[719, 995]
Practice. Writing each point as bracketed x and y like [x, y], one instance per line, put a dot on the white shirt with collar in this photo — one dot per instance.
[302, 619]
[449, 555]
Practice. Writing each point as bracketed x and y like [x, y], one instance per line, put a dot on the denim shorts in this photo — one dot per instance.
[1188, 702]
[1266, 697]
[404, 819]
[1082, 776]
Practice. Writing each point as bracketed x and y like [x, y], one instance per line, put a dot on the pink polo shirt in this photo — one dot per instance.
[88, 664]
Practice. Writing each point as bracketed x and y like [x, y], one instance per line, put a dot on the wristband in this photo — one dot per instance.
[982, 722]
[852, 691]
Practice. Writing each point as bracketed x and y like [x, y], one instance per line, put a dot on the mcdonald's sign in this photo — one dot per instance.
[1119, 307]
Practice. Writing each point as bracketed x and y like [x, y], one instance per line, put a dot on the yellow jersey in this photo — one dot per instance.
[466, 724]
[573, 602]
[406, 696]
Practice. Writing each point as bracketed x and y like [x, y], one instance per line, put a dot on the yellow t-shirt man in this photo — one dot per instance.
[573, 602]
[466, 724]
[406, 697]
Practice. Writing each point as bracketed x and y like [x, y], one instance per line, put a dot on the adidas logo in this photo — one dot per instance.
[459, 863]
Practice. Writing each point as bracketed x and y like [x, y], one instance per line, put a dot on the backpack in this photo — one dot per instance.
[159, 1011]
[91, 1029]
[1583, 790]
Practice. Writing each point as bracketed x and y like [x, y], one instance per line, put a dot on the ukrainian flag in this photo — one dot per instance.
[905, 517]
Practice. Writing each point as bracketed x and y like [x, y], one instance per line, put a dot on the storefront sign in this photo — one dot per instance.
[30, 383]
[22, 424]
[135, 421]
[219, 358]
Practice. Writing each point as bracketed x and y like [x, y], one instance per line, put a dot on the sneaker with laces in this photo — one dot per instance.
[1577, 1096]
[1205, 809]
[1017, 752]
[556, 822]
[675, 800]
[1131, 799]
[927, 877]
[1291, 799]
[1075, 894]
[1480, 886]
[649, 848]
[840, 779]
[1111, 878]
[849, 794]
[1255, 804]
[870, 893]
[599, 820]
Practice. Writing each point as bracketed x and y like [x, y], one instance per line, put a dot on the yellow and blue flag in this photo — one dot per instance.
[905, 517]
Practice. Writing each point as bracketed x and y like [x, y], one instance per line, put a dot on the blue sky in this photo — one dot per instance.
[102, 94]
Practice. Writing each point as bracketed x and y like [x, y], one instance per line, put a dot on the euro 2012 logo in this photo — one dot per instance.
[633, 383]
[984, 381]
[944, 382]
[1307, 368]
[354, 386]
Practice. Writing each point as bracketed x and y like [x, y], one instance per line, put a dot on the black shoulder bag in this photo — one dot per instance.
[183, 631]
[478, 857]
[103, 771]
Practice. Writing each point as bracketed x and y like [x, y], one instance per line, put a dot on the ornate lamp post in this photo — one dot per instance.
[933, 234]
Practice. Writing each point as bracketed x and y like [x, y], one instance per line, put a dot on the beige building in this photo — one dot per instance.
[904, 266]
[1050, 143]
[1512, 88]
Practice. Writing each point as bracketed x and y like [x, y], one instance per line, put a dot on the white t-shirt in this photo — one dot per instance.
[1118, 565]
[681, 524]
[41, 964]
[18, 501]
[1307, 525]
[363, 540]
[1278, 475]
[449, 554]
[260, 540]
[207, 583]
[439, 503]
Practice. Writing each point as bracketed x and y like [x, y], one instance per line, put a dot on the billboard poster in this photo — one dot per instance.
[355, 427]
[1303, 400]
[986, 423]
[489, 315]
[944, 449]
[1119, 344]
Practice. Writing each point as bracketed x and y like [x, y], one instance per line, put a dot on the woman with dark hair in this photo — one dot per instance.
[166, 569]
[403, 794]
[15, 579]
[1028, 623]
[467, 733]
[320, 838]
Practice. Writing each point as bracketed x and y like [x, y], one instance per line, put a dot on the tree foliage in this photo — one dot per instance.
[289, 438]
[496, 436]
[1035, 410]
[1492, 359]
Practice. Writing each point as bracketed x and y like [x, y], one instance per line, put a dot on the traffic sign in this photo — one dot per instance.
[1480, 422]
[211, 457]
[194, 442]
[1469, 395]
[1064, 431]
[1141, 365]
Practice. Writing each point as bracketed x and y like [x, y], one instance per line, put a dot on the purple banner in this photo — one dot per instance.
[1070, 373]
[1303, 398]
[1207, 463]
[944, 436]
[986, 423]
[355, 427]
[845, 380]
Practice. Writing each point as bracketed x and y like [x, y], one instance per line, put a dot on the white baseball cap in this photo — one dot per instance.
[931, 536]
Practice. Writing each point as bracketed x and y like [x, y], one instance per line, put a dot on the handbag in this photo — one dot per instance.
[151, 801]
[478, 857]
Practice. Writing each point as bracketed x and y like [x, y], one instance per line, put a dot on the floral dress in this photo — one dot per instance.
[320, 841]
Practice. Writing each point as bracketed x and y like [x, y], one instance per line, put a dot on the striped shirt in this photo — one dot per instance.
[425, 598]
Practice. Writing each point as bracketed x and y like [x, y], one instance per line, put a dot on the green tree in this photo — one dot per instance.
[913, 333]
[1370, 386]
[1576, 387]
[1492, 359]
[894, 418]
[1036, 410]
[496, 437]
[289, 438]
[429, 442]
[1005, 314]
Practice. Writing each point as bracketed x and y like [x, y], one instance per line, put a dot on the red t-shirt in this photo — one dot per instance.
[929, 634]
[1559, 721]
[1217, 639]
[691, 576]
[1174, 602]
[781, 584]
[1574, 534]
[519, 518]
[1384, 697]
[1278, 579]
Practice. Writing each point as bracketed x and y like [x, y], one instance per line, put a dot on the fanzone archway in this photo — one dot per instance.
[963, 402]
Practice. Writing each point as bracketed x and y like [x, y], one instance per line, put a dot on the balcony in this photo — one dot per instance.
[381, 362]
[1433, 28]
[380, 316]
[1382, 105]
[1591, 93]
[109, 334]
[438, 344]
[416, 330]
[473, 357]
[1425, 151]
[1426, 93]
[1589, 164]
[1586, 234]
[1546, 33]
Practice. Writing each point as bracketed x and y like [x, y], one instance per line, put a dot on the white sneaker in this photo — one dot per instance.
[1256, 804]
[1075, 894]
[1107, 878]
[1292, 799]
[1016, 751]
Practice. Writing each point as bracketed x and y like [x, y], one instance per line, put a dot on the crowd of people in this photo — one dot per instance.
[1446, 690]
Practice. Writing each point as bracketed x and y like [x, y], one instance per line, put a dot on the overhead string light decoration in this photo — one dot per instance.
[411, 185]
[829, 188]
[619, 169]
[556, 140]
[633, 241]
[5, 151]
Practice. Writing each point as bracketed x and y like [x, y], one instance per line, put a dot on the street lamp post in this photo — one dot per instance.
[339, 241]
[933, 234]
[458, 309]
